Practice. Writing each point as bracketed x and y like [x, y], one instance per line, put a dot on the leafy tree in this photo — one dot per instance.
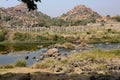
[117, 18]
[80, 22]
[42, 23]
[108, 16]
[31, 4]
[7, 18]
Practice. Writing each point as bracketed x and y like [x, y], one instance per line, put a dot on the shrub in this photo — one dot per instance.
[69, 46]
[117, 18]
[7, 66]
[21, 36]
[58, 38]
[88, 32]
[109, 30]
[21, 63]
[2, 35]
[42, 65]
[7, 18]
[47, 63]
[102, 24]
[40, 38]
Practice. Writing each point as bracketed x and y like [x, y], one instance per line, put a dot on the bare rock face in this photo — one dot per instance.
[20, 16]
[80, 12]
[21, 6]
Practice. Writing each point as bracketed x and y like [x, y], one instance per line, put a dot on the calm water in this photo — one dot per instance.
[20, 52]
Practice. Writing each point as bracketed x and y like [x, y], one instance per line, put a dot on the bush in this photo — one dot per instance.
[102, 24]
[69, 46]
[40, 38]
[7, 66]
[80, 22]
[21, 36]
[7, 18]
[21, 63]
[58, 38]
[117, 18]
[41, 65]
[2, 37]
[109, 30]
[46, 63]
[3, 33]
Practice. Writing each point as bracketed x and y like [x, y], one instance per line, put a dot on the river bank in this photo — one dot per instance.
[45, 75]
[89, 65]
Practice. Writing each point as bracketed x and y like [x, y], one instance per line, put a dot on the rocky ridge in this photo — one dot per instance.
[80, 12]
[21, 16]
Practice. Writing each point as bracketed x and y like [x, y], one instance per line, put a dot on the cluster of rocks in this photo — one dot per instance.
[97, 69]
[54, 52]
[87, 65]
[84, 69]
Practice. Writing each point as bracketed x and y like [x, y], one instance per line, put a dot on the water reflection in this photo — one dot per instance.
[18, 52]
[3, 48]
[20, 47]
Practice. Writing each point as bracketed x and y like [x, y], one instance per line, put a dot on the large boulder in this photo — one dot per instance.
[51, 53]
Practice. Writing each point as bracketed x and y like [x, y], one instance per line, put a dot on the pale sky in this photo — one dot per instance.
[55, 8]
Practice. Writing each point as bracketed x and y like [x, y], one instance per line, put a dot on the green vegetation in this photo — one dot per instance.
[7, 18]
[92, 35]
[108, 35]
[7, 66]
[2, 35]
[93, 54]
[31, 4]
[60, 22]
[48, 62]
[117, 18]
[21, 36]
[96, 54]
[21, 63]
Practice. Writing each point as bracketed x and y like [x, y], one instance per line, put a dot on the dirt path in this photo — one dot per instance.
[22, 70]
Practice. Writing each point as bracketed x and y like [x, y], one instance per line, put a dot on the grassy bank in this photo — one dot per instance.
[90, 35]
[26, 42]
[97, 56]
[8, 46]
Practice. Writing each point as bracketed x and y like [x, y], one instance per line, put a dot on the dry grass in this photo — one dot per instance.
[95, 54]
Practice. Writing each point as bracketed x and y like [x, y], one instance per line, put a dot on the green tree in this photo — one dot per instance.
[31, 4]
[117, 18]
[7, 18]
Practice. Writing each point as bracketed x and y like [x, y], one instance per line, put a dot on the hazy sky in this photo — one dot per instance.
[58, 7]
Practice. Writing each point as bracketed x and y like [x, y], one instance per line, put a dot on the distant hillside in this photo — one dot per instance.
[19, 16]
[80, 12]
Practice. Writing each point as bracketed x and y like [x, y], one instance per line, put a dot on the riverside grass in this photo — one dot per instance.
[92, 54]
[92, 35]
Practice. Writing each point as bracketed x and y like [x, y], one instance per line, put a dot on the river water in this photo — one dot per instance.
[13, 56]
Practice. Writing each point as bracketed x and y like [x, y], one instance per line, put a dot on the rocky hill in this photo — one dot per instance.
[80, 12]
[19, 16]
